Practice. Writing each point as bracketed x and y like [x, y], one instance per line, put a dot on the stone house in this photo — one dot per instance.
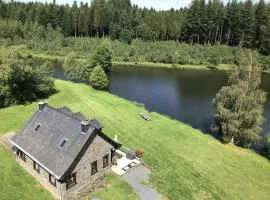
[63, 151]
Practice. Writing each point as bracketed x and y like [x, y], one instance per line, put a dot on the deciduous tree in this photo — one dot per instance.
[239, 106]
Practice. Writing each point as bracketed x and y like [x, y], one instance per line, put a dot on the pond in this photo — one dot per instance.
[185, 95]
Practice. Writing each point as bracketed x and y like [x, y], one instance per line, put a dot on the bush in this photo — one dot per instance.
[75, 69]
[21, 82]
[265, 151]
[265, 62]
[168, 59]
[126, 36]
[98, 78]
[214, 60]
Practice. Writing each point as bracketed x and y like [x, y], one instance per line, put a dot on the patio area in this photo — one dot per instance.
[129, 167]
[124, 162]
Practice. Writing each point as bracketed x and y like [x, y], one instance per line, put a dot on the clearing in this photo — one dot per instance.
[185, 163]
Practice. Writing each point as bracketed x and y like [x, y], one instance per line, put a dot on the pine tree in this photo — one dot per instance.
[195, 26]
[247, 24]
[102, 57]
[67, 26]
[215, 16]
[262, 27]
[234, 34]
[98, 78]
[100, 16]
[75, 16]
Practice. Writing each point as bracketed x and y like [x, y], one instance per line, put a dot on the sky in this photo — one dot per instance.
[156, 4]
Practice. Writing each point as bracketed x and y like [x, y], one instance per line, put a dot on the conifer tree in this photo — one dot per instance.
[75, 16]
[262, 27]
[247, 24]
[100, 16]
[98, 78]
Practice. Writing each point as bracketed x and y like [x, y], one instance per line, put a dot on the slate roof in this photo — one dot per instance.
[41, 137]
[79, 116]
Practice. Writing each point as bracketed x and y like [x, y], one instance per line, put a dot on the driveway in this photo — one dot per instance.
[137, 178]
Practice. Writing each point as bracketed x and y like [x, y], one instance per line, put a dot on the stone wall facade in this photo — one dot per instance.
[42, 176]
[97, 149]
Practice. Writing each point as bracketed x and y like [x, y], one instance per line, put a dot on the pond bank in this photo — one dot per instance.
[222, 67]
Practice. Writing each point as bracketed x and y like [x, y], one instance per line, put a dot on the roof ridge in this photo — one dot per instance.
[56, 109]
[77, 113]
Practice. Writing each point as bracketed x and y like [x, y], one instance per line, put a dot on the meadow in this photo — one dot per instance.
[185, 163]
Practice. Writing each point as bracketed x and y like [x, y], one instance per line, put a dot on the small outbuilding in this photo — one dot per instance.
[65, 152]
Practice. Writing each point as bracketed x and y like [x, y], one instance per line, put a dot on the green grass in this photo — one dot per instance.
[16, 183]
[185, 163]
[169, 66]
[115, 188]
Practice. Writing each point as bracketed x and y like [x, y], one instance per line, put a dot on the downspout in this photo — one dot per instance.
[61, 197]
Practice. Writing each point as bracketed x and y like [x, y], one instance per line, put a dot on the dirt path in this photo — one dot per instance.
[4, 139]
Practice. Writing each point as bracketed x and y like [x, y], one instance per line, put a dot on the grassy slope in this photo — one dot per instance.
[116, 189]
[15, 182]
[186, 164]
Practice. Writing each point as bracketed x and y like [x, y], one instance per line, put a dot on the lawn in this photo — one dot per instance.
[185, 163]
[115, 188]
[16, 183]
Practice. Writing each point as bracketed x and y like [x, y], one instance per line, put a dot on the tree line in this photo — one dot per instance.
[244, 24]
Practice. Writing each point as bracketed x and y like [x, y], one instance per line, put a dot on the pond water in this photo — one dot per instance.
[185, 95]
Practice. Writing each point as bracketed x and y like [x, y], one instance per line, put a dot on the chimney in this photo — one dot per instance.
[84, 126]
[41, 105]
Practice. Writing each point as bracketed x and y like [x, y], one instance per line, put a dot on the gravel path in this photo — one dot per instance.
[4, 139]
[136, 178]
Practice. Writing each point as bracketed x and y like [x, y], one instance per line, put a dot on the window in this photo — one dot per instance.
[22, 156]
[62, 143]
[36, 167]
[52, 180]
[94, 168]
[106, 161]
[71, 180]
[36, 129]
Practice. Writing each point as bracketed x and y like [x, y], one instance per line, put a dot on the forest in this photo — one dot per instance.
[243, 24]
[85, 42]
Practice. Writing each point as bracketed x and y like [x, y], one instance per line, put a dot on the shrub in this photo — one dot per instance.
[265, 62]
[265, 146]
[21, 82]
[75, 69]
[126, 36]
[102, 57]
[98, 78]
[168, 59]
[214, 60]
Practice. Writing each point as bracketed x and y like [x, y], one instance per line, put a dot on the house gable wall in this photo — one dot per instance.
[95, 151]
